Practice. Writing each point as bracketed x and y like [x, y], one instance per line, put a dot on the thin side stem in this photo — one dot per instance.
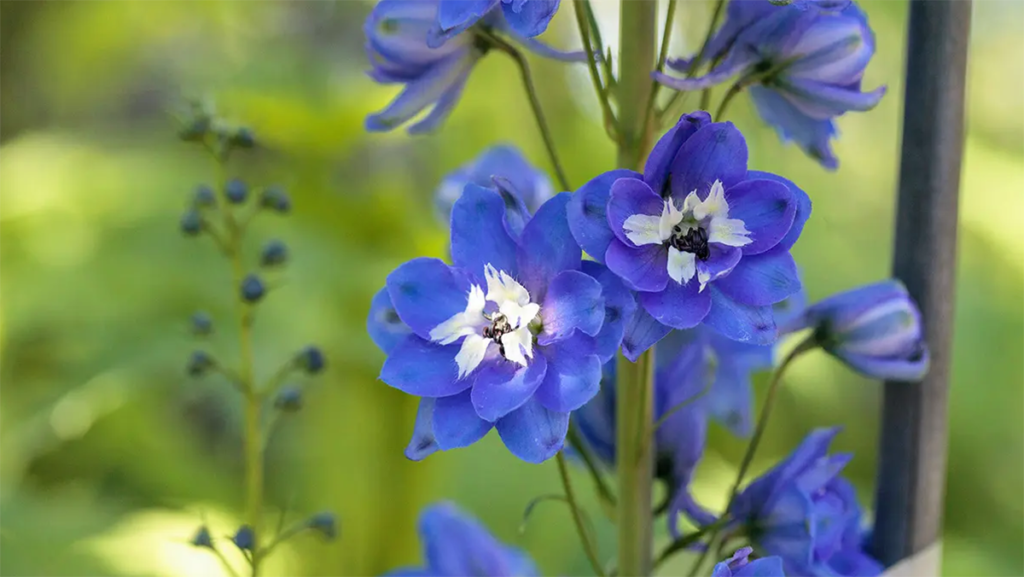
[666, 35]
[762, 423]
[696, 62]
[531, 93]
[733, 91]
[603, 491]
[224, 561]
[687, 540]
[577, 516]
[595, 75]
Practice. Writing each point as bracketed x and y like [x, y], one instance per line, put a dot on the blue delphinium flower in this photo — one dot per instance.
[508, 337]
[455, 545]
[525, 18]
[697, 235]
[502, 168]
[804, 66]
[804, 512]
[740, 566]
[874, 329]
[435, 72]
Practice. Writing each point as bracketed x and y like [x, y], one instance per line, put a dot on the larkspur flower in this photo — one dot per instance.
[805, 63]
[502, 168]
[525, 18]
[510, 337]
[455, 544]
[740, 566]
[804, 512]
[874, 329]
[405, 46]
[698, 236]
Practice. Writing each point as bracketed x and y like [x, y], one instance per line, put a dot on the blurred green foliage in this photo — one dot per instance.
[110, 456]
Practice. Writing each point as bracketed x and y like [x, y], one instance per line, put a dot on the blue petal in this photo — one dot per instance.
[573, 302]
[457, 544]
[383, 323]
[424, 369]
[541, 49]
[631, 196]
[852, 563]
[547, 247]
[721, 570]
[678, 306]
[767, 209]
[787, 532]
[643, 269]
[423, 444]
[822, 472]
[587, 212]
[821, 100]
[619, 305]
[740, 322]
[721, 260]
[532, 432]
[761, 280]
[763, 567]
[642, 332]
[502, 386]
[732, 65]
[443, 107]
[843, 309]
[803, 206]
[453, 13]
[479, 237]
[530, 17]
[421, 92]
[426, 292]
[810, 134]
[573, 376]
[731, 398]
[656, 168]
[715, 152]
[456, 423]
[904, 369]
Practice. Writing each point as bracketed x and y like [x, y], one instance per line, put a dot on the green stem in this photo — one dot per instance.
[595, 75]
[635, 464]
[577, 516]
[685, 541]
[762, 423]
[695, 63]
[531, 93]
[637, 32]
[733, 91]
[224, 561]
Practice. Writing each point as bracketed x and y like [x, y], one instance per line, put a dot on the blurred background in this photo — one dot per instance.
[110, 456]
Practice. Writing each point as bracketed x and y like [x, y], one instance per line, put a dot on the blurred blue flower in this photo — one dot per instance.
[191, 222]
[455, 545]
[502, 168]
[804, 512]
[276, 199]
[804, 62]
[518, 355]
[274, 253]
[202, 538]
[311, 359]
[252, 289]
[874, 329]
[288, 399]
[244, 538]
[202, 324]
[697, 235]
[236, 191]
[406, 45]
[198, 363]
[739, 566]
[324, 523]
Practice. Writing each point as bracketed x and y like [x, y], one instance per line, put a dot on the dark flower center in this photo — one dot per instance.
[499, 326]
[694, 241]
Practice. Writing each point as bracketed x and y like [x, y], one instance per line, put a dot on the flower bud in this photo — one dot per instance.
[311, 359]
[874, 329]
[199, 363]
[242, 138]
[273, 198]
[203, 197]
[195, 130]
[252, 289]
[202, 538]
[325, 523]
[191, 223]
[202, 324]
[236, 191]
[274, 253]
[244, 538]
[288, 399]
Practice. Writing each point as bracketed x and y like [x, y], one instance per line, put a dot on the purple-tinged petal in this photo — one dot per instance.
[767, 209]
[424, 369]
[642, 332]
[810, 134]
[678, 306]
[478, 232]
[631, 196]
[443, 107]
[721, 570]
[532, 432]
[573, 376]
[823, 101]
[721, 260]
[588, 216]
[844, 309]
[740, 322]
[426, 292]
[656, 169]
[822, 472]
[643, 269]
[453, 13]
[547, 247]
[619, 305]
[529, 18]
[906, 369]
[787, 532]
[423, 444]
[763, 567]
[455, 543]
[852, 562]
[715, 152]
[573, 302]
[731, 399]
[501, 387]
[721, 73]
[762, 280]
[801, 200]
[456, 423]
[545, 51]
[420, 93]
[383, 323]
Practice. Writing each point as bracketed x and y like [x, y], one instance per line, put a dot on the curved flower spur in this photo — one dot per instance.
[504, 338]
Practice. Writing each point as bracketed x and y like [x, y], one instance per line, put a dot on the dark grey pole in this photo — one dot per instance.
[912, 456]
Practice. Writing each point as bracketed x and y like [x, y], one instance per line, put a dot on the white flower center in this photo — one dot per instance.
[688, 231]
[502, 317]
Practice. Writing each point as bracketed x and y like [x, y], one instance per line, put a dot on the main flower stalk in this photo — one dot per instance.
[635, 382]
